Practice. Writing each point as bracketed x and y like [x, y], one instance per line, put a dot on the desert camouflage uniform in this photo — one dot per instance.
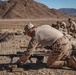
[72, 28]
[58, 25]
[62, 25]
[60, 51]
[48, 36]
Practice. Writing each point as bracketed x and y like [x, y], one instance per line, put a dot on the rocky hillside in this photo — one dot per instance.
[70, 11]
[27, 9]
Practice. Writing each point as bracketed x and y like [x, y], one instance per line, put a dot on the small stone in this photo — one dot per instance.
[17, 70]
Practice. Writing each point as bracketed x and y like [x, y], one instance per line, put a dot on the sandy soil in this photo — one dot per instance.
[12, 44]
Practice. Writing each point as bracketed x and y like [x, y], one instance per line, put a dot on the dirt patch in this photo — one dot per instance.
[12, 44]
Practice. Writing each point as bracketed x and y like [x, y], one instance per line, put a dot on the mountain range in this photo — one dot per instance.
[22, 9]
[70, 11]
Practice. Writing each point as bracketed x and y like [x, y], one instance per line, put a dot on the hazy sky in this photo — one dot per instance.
[59, 3]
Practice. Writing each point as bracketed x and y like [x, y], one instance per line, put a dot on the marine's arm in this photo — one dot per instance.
[31, 48]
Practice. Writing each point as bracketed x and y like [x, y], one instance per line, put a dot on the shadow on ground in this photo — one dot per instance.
[28, 66]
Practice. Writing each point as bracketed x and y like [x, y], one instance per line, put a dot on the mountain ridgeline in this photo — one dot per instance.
[23, 9]
[70, 11]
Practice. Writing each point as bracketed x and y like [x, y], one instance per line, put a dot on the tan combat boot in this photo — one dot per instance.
[72, 62]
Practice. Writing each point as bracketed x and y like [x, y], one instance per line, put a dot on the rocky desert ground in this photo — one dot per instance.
[16, 39]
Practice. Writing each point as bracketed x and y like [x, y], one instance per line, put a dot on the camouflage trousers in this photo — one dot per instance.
[60, 51]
